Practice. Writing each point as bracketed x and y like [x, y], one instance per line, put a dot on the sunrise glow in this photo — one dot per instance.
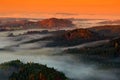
[60, 8]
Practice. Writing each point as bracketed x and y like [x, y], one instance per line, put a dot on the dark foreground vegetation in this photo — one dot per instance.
[32, 71]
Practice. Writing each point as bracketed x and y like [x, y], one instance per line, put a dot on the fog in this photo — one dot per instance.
[70, 64]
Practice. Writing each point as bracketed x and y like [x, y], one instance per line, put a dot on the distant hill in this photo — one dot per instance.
[27, 24]
[107, 30]
[107, 50]
[80, 33]
[56, 23]
[110, 22]
[70, 38]
[107, 54]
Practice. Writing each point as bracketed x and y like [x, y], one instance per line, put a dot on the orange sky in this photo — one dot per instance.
[39, 8]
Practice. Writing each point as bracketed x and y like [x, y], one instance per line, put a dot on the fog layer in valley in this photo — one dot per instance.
[70, 64]
[11, 48]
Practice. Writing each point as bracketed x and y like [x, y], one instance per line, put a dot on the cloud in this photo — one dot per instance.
[69, 14]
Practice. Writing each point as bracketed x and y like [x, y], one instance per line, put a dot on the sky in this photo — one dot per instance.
[60, 8]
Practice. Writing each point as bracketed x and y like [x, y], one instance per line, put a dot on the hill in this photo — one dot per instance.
[56, 23]
[70, 38]
[30, 71]
[107, 30]
[27, 24]
[106, 51]
[110, 22]
[80, 33]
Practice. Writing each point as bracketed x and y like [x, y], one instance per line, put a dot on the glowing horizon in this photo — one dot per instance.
[60, 8]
